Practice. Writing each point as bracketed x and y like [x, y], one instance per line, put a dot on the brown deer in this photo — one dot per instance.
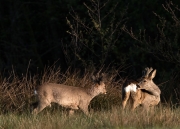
[143, 92]
[69, 96]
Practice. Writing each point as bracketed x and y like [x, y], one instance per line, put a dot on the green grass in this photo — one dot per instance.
[161, 118]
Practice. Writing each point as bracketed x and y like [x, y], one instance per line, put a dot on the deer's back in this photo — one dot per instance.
[59, 92]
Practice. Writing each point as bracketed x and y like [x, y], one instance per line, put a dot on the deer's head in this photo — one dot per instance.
[146, 81]
[99, 83]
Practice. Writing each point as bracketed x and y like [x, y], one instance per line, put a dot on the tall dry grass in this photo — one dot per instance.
[17, 92]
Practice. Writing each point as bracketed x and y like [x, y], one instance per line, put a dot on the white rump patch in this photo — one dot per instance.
[131, 87]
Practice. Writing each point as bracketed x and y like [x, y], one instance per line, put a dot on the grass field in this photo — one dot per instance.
[16, 97]
[161, 118]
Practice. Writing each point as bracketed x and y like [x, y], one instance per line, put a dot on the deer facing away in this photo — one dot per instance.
[142, 92]
[69, 96]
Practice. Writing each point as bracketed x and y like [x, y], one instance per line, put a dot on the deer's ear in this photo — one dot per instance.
[152, 74]
[102, 77]
[93, 78]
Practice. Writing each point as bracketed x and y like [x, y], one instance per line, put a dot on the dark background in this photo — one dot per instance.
[38, 33]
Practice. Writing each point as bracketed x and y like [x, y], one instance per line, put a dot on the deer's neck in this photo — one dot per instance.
[93, 91]
[154, 90]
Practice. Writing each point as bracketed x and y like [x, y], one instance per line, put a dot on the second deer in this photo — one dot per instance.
[143, 92]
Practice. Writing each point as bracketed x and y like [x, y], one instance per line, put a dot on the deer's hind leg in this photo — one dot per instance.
[135, 104]
[125, 98]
